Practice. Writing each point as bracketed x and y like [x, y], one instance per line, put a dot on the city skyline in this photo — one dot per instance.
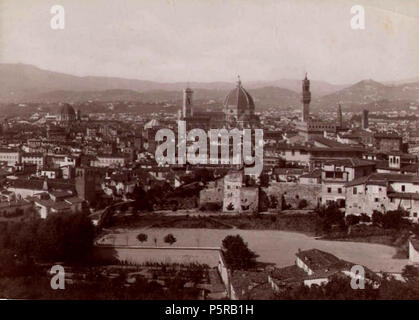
[211, 150]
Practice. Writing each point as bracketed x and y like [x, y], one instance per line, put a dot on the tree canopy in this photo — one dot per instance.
[60, 237]
[170, 239]
[237, 254]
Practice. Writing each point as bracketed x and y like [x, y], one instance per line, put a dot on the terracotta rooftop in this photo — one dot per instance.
[351, 162]
[251, 285]
[411, 168]
[316, 173]
[383, 179]
[317, 259]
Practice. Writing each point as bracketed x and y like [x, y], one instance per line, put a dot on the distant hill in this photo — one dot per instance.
[318, 88]
[367, 92]
[274, 96]
[22, 82]
[264, 97]
[27, 83]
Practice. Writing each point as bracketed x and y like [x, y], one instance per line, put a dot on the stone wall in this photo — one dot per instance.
[295, 192]
[249, 198]
[211, 195]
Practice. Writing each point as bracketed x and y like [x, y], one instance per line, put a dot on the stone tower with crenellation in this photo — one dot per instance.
[187, 109]
[306, 99]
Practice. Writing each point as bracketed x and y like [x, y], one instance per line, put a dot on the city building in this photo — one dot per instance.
[230, 194]
[383, 192]
[337, 173]
[310, 128]
[238, 111]
[10, 156]
[67, 114]
[33, 158]
[314, 267]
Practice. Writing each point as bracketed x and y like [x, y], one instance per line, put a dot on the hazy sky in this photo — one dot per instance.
[211, 40]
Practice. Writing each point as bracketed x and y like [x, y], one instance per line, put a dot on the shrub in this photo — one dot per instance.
[352, 219]
[377, 217]
[170, 239]
[411, 273]
[264, 201]
[364, 218]
[331, 215]
[211, 207]
[393, 219]
[142, 237]
[273, 202]
[302, 204]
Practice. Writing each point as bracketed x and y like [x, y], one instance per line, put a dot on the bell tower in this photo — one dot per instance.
[306, 99]
[187, 109]
[339, 116]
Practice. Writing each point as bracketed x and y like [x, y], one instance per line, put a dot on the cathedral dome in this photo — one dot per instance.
[239, 102]
[67, 113]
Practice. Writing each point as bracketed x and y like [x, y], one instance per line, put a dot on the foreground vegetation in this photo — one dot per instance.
[339, 288]
[28, 250]
[95, 285]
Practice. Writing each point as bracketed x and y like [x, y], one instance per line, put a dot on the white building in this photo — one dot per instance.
[413, 250]
[383, 192]
[108, 160]
[34, 158]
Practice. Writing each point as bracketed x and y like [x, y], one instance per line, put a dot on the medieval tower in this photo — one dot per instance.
[306, 99]
[340, 117]
[187, 109]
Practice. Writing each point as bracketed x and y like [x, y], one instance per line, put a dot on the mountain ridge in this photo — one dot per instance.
[23, 81]
[28, 83]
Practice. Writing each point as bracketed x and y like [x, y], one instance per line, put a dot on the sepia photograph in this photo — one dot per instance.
[206, 152]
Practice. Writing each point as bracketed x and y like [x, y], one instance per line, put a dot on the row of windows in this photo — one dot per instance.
[329, 190]
[321, 127]
[228, 187]
[32, 161]
[394, 160]
[378, 199]
[111, 160]
[334, 175]
[355, 190]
